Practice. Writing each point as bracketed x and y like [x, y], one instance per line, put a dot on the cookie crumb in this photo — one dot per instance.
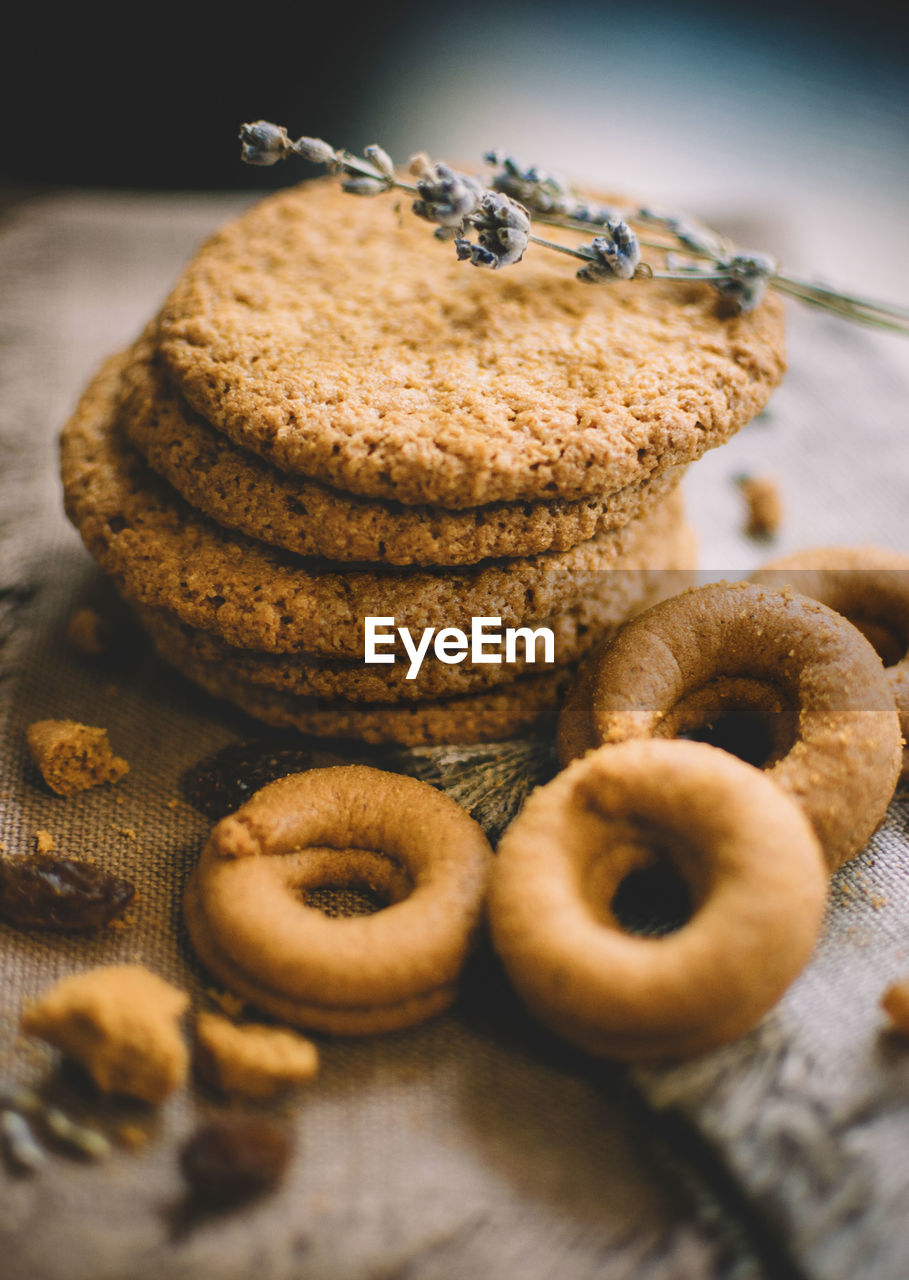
[44, 842]
[88, 633]
[765, 507]
[122, 1023]
[132, 1136]
[895, 1003]
[253, 1060]
[72, 756]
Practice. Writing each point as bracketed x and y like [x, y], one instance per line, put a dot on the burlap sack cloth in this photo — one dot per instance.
[474, 1146]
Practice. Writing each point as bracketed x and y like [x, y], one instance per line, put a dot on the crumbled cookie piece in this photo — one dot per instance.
[895, 1003]
[253, 1060]
[44, 842]
[132, 1136]
[765, 507]
[72, 756]
[88, 633]
[122, 1023]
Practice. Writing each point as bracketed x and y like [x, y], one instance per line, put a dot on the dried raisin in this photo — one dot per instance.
[234, 1158]
[47, 892]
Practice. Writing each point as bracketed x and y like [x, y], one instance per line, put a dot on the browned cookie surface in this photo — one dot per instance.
[342, 341]
[492, 715]
[163, 554]
[623, 592]
[243, 492]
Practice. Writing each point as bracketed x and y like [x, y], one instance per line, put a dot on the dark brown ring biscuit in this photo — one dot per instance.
[343, 826]
[750, 860]
[870, 587]
[776, 669]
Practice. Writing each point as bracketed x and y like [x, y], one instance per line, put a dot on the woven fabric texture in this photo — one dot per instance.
[475, 1145]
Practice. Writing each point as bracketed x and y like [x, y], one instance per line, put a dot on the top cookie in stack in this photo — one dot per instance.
[332, 418]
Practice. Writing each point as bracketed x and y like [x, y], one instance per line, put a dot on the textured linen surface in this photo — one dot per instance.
[474, 1145]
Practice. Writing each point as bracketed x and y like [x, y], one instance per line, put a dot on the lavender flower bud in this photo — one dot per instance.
[617, 254]
[263, 143]
[381, 159]
[446, 197]
[362, 186]
[315, 151]
[534, 187]
[749, 274]
[503, 228]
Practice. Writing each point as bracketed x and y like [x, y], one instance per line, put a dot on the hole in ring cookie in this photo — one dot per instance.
[345, 882]
[752, 719]
[890, 644]
[632, 881]
[652, 901]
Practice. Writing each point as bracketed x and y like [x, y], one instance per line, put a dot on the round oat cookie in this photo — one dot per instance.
[340, 339]
[527, 705]
[243, 492]
[162, 553]
[625, 593]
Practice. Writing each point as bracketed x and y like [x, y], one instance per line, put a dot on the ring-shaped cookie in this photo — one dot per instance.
[800, 676]
[870, 587]
[747, 853]
[348, 826]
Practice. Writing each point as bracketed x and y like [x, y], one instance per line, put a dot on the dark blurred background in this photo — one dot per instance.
[151, 95]
[788, 112]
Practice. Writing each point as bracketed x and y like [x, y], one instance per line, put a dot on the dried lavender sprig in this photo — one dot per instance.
[646, 242]
[822, 294]
[459, 202]
[559, 204]
[456, 202]
[741, 277]
[876, 315]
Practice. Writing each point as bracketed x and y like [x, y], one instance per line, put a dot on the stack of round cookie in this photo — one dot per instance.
[332, 419]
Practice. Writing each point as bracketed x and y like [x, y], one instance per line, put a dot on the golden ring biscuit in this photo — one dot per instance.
[778, 678]
[347, 827]
[870, 587]
[750, 860]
